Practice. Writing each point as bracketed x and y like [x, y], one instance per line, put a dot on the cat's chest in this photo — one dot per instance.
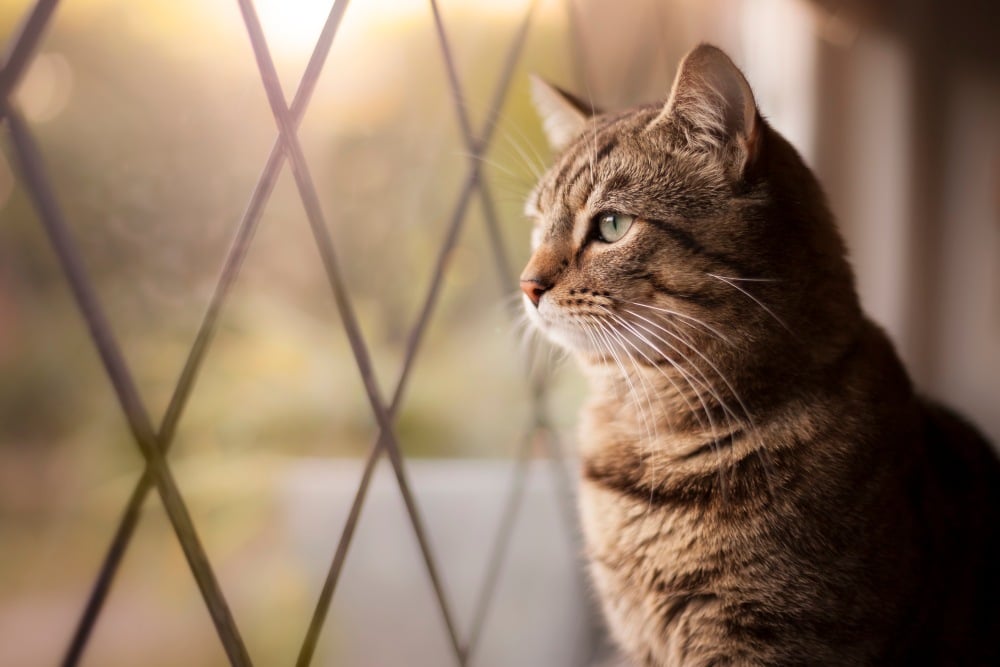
[635, 512]
[658, 576]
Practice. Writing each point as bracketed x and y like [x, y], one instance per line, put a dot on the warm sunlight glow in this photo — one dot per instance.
[293, 27]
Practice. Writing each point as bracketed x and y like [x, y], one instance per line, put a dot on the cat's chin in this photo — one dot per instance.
[574, 342]
[562, 334]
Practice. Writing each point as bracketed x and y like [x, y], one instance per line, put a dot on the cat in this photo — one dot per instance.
[760, 483]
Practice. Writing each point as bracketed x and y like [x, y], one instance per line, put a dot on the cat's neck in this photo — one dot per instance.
[654, 402]
[689, 403]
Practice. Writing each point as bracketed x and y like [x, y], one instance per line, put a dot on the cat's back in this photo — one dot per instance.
[958, 496]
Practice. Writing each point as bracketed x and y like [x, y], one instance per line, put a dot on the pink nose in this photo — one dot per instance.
[533, 290]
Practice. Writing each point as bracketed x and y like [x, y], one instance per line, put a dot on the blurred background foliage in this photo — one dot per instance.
[154, 128]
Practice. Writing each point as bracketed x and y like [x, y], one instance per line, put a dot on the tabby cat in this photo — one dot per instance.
[760, 483]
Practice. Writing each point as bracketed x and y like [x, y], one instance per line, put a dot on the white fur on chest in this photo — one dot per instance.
[633, 547]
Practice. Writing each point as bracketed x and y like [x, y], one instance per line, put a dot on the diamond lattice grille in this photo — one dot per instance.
[154, 440]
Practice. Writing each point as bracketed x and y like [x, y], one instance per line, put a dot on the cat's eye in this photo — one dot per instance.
[612, 226]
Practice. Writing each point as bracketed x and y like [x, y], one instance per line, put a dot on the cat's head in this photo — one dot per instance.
[680, 230]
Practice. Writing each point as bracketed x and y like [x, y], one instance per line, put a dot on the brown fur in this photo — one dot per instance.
[761, 485]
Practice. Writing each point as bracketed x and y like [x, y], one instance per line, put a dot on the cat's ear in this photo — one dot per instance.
[713, 100]
[563, 115]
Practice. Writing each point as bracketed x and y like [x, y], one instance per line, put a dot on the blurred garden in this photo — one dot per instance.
[154, 127]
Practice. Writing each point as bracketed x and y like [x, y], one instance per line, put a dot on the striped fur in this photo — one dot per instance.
[760, 483]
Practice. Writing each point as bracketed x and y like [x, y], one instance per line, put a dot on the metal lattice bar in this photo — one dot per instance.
[477, 148]
[310, 200]
[178, 400]
[154, 445]
[491, 220]
[23, 47]
[29, 162]
[501, 542]
[473, 182]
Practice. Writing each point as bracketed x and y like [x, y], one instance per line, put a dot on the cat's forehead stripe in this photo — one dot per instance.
[594, 148]
[595, 144]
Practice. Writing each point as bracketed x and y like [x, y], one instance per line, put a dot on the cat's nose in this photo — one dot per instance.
[534, 289]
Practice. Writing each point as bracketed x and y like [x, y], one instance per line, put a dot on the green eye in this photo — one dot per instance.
[612, 226]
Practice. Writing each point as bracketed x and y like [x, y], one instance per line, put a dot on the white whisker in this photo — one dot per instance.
[602, 332]
[503, 169]
[748, 280]
[760, 303]
[732, 390]
[686, 376]
[647, 390]
[686, 319]
[627, 343]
